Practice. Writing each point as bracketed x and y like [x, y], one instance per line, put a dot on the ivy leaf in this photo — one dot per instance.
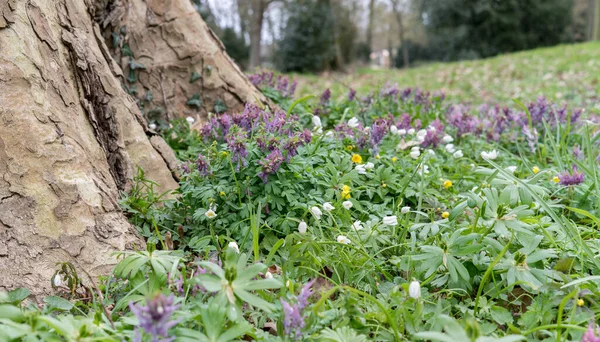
[220, 106]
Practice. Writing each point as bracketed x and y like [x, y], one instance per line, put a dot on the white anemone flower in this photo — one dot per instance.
[210, 214]
[414, 289]
[361, 169]
[317, 212]
[357, 225]
[458, 154]
[511, 169]
[328, 206]
[369, 166]
[491, 155]
[57, 281]
[394, 130]
[447, 139]
[405, 210]
[302, 227]
[450, 148]
[353, 122]
[316, 121]
[343, 239]
[234, 245]
[411, 131]
[347, 204]
[415, 153]
[190, 120]
[390, 220]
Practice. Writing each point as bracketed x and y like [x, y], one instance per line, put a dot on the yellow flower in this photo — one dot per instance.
[377, 157]
[345, 192]
[224, 154]
[447, 184]
[580, 302]
[445, 214]
[222, 193]
[394, 159]
[349, 147]
[356, 158]
[556, 179]
[535, 169]
[383, 185]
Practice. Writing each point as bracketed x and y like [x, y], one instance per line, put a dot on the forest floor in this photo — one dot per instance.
[561, 73]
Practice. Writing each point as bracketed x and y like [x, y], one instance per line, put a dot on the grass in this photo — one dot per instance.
[561, 73]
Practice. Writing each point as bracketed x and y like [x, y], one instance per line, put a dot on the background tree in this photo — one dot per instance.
[258, 8]
[397, 9]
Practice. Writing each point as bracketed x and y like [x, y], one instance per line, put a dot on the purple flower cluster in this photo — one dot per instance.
[356, 136]
[377, 132]
[390, 91]
[270, 164]
[571, 178]
[293, 319]
[351, 94]
[435, 134]
[155, 317]
[281, 83]
[202, 165]
[236, 141]
[592, 334]
[325, 97]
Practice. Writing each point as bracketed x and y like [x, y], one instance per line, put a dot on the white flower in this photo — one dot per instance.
[234, 245]
[347, 204]
[343, 239]
[268, 275]
[421, 135]
[357, 225]
[431, 128]
[411, 131]
[415, 153]
[319, 130]
[316, 121]
[369, 166]
[361, 169]
[317, 212]
[328, 207]
[414, 289]
[511, 169]
[394, 130]
[57, 281]
[329, 134]
[450, 148]
[190, 120]
[401, 131]
[489, 155]
[423, 169]
[302, 226]
[430, 152]
[210, 214]
[458, 154]
[353, 122]
[447, 139]
[152, 126]
[390, 220]
[405, 210]
[367, 129]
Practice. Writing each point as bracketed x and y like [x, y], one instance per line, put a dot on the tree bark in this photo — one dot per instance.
[256, 21]
[370, 25]
[71, 137]
[174, 58]
[400, 21]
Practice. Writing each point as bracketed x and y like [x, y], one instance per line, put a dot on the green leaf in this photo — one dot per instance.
[501, 315]
[16, 296]
[58, 303]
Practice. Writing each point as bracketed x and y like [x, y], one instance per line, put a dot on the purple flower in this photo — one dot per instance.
[434, 135]
[305, 293]
[577, 152]
[293, 322]
[531, 135]
[592, 334]
[202, 165]
[236, 141]
[569, 179]
[351, 94]
[155, 317]
[390, 90]
[325, 97]
[270, 164]
[378, 130]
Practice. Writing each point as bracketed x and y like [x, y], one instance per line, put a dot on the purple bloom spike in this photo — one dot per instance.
[155, 317]
[592, 334]
[570, 179]
[270, 164]
[351, 94]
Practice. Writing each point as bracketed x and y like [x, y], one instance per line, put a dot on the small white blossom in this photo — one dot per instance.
[343, 239]
[268, 275]
[317, 212]
[210, 214]
[423, 169]
[489, 155]
[347, 204]
[57, 281]
[421, 135]
[447, 139]
[394, 129]
[458, 154]
[190, 120]
[316, 121]
[353, 122]
[511, 169]
[357, 225]
[235, 247]
[411, 131]
[369, 166]
[430, 152]
[414, 289]
[450, 148]
[431, 128]
[415, 153]
[390, 220]
[328, 207]
[152, 126]
[367, 129]
[302, 227]
[361, 169]
[405, 210]
[329, 134]
[401, 131]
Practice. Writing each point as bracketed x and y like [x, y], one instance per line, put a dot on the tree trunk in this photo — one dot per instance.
[400, 21]
[256, 20]
[70, 136]
[370, 25]
[173, 61]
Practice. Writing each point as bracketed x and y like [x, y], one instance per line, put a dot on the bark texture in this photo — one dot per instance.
[70, 140]
[172, 62]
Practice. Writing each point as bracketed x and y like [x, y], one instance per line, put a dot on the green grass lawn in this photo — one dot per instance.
[561, 73]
